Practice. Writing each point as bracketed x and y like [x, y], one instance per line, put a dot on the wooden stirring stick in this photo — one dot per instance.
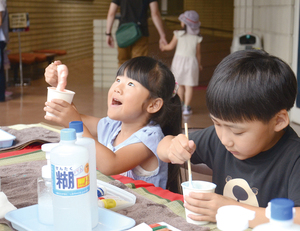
[189, 161]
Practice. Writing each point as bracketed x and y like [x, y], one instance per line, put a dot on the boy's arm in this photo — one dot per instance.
[175, 149]
[297, 215]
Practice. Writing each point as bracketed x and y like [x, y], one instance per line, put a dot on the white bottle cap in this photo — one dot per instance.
[46, 171]
[234, 218]
[47, 149]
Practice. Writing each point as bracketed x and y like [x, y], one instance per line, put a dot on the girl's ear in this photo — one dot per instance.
[155, 105]
[282, 120]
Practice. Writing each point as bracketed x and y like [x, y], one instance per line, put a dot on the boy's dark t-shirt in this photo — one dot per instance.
[271, 174]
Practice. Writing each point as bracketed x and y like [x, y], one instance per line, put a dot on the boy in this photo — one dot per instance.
[252, 150]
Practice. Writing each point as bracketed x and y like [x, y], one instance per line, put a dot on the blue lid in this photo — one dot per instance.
[68, 134]
[77, 125]
[282, 209]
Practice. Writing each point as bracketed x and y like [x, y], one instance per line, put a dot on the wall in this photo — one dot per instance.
[58, 24]
[273, 21]
[213, 14]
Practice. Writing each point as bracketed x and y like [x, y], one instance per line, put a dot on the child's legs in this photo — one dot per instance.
[188, 95]
[180, 92]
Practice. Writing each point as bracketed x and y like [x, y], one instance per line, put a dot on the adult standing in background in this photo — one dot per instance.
[3, 41]
[131, 11]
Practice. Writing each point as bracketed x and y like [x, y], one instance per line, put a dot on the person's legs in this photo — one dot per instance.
[140, 47]
[188, 95]
[124, 54]
[180, 93]
[2, 73]
[187, 110]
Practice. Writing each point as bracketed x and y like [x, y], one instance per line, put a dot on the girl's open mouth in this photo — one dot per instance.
[115, 102]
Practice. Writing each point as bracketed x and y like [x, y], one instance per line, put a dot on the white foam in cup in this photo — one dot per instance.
[65, 95]
[198, 186]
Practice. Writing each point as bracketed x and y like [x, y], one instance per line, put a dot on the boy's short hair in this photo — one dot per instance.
[251, 85]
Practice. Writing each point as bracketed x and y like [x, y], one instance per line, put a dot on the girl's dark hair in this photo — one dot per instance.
[159, 80]
[250, 85]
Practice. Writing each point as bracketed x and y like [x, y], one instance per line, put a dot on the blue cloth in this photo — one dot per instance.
[149, 135]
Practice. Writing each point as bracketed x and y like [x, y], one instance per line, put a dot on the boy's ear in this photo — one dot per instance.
[155, 105]
[282, 120]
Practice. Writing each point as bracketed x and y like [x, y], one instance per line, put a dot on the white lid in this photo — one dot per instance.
[234, 218]
[46, 171]
[47, 148]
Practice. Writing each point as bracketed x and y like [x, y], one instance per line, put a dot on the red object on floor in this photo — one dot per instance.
[150, 187]
[30, 148]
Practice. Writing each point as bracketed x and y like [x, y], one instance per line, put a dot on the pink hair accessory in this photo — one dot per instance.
[175, 89]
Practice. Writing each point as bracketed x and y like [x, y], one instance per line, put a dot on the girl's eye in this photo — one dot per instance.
[130, 84]
[117, 80]
[237, 133]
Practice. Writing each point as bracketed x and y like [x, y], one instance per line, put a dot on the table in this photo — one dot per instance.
[157, 195]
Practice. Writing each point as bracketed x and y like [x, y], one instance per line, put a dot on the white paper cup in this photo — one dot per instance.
[198, 186]
[65, 95]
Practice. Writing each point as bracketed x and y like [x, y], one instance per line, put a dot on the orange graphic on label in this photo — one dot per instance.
[83, 181]
[87, 168]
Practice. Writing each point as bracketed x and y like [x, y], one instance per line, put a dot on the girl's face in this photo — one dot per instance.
[246, 139]
[128, 100]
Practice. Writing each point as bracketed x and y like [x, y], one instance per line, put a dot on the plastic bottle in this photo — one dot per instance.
[89, 143]
[70, 183]
[44, 189]
[280, 211]
[234, 218]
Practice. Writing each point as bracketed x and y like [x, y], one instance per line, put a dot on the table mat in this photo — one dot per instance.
[19, 183]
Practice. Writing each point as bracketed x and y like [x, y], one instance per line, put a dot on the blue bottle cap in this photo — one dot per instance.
[68, 134]
[77, 125]
[282, 209]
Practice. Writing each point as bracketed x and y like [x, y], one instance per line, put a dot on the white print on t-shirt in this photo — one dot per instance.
[239, 190]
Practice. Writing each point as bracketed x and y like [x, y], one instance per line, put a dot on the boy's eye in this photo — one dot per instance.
[117, 80]
[130, 84]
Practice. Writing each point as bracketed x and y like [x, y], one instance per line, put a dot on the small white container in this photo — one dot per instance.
[6, 139]
[234, 218]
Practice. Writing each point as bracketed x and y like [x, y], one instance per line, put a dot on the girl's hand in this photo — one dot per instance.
[206, 204]
[51, 76]
[181, 149]
[63, 111]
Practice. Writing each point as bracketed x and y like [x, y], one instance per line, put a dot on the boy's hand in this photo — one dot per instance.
[206, 204]
[63, 111]
[51, 76]
[181, 149]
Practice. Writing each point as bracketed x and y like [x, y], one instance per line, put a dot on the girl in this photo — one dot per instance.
[142, 108]
[187, 59]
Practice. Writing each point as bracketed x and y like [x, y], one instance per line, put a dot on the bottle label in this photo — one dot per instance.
[70, 180]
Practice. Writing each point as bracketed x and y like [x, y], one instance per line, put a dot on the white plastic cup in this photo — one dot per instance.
[65, 95]
[198, 186]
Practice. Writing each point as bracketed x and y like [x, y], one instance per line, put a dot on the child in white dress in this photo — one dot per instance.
[187, 59]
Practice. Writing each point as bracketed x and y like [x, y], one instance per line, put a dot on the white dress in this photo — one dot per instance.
[185, 65]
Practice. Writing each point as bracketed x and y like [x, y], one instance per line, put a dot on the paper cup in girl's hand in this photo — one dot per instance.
[65, 95]
[197, 186]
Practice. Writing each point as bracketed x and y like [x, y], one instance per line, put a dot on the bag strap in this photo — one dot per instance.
[144, 6]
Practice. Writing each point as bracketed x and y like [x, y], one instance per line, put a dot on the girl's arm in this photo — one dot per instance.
[198, 54]
[126, 158]
[171, 45]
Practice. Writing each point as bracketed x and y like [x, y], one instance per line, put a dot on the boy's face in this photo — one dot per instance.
[246, 139]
